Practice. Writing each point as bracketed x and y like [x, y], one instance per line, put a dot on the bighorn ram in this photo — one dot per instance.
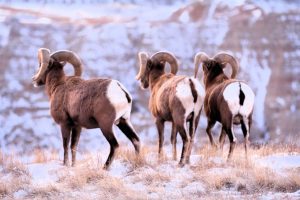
[76, 103]
[178, 99]
[227, 100]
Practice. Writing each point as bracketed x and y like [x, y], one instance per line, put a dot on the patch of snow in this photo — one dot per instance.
[195, 187]
[118, 169]
[4, 34]
[280, 195]
[280, 6]
[21, 103]
[184, 17]
[280, 101]
[295, 85]
[232, 3]
[5, 103]
[42, 104]
[44, 174]
[293, 108]
[20, 194]
[256, 15]
[260, 74]
[280, 162]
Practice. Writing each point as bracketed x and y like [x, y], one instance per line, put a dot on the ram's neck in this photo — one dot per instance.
[157, 80]
[54, 78]
[212, 82]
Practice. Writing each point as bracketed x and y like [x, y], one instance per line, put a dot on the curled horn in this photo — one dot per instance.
[226, 58]
[199, 58]
[143, 57]
[167, 57]
[69, 57]
[44, 58]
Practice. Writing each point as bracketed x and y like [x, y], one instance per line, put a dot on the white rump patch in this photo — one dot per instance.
[184, 94]
[201, 93]
[247, 107]
[231, 96]
[118, 99]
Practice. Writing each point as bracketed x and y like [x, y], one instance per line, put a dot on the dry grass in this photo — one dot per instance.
[135, 161]
[271, 149]
[42, 156]
[12, 165]
[88, 180]
[47, 192]
[79, 176]
[90, 175]
[246, 176]
[150, 176]
[13, 176]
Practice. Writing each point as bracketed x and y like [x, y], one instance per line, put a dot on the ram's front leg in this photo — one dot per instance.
[65, 132]
[160, 129]
[74, 142]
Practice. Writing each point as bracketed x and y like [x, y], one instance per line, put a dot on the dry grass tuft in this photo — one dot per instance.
[79, 176]
[86, 176]
[246, 176]
[270, 149]
[14, 166]
[42, 156]
[13, 176]
[154, 178]
[267, 180]
[135, 161]
[46, 192]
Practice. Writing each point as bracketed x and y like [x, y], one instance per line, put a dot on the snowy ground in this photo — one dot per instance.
[271, 173]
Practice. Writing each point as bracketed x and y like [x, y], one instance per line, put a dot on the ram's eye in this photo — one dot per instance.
[206, 67]
[149, 65]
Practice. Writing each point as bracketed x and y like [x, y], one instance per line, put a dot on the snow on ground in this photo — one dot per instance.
[271, 176]
[44, 174]
[280, 162]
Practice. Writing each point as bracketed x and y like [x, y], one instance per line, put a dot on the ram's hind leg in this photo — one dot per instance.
[110, 137]
[185, 144]
[222, 138]
[210, 124]
[174, 141]
[66, 132]
[192, 135]
[160, 129]
[245, 124]
[228, 127]
[74, 142]
[126, 127]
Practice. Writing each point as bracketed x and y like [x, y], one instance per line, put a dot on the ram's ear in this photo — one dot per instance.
[63, 63]
[149, 64]
[206, 66]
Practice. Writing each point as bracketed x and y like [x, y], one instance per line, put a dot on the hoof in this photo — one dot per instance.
[66, 163]
[106, 167]
[180, 164]
[214, 146]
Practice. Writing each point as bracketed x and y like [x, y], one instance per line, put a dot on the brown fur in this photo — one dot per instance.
[216, 108]
[76, 103]
[168, 107]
